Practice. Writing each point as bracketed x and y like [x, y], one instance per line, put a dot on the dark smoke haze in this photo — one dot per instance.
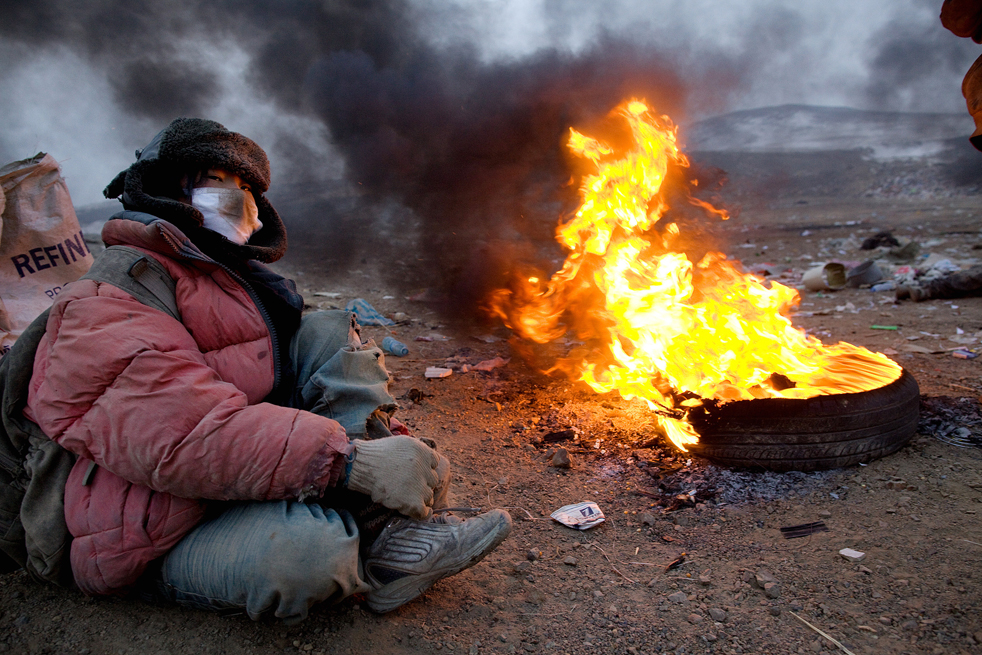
[464, 136]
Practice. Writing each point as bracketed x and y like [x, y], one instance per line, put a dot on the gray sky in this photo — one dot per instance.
[69, 89]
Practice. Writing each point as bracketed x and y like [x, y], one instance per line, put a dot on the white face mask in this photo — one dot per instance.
[230, 212]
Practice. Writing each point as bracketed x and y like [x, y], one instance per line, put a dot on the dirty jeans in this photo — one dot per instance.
[284, 556]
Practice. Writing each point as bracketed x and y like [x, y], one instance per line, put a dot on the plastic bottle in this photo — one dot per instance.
[394, 347]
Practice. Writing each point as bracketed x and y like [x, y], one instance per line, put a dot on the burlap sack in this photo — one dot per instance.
[41, 244]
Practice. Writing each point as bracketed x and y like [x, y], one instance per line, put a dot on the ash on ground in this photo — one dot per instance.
[700, 481]
[957, 421]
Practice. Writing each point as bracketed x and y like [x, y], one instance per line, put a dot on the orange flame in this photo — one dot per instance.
[654, 324]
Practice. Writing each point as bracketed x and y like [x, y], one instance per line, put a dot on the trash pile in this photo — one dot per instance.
[881, 262]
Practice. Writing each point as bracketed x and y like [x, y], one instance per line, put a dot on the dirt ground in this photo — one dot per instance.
[552, 589]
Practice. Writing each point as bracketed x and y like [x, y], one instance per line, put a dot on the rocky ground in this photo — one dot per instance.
[712, 576]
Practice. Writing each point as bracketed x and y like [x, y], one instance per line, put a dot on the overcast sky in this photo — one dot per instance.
[73, 87]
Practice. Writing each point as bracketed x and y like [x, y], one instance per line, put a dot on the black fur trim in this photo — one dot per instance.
[187, 145]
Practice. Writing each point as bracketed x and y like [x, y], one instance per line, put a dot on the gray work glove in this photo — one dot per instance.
[398, 472]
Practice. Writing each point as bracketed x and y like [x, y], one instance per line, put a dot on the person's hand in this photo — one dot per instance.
[398, 472]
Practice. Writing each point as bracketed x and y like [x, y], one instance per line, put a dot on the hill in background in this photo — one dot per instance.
[779, 153]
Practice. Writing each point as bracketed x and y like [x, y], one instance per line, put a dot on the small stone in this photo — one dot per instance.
[597, 593]
[522, 567]
[978, 636]
[717, 614]
[747, 576]
[499, 601]
[562, 459]
[705, 580]
[679, 597]
[909, 625]
[533, 555]
[863, 569]
[762, 577]
[852, 555]
[772, 589]
[570, 561]
[695, 619]
[503, 638]
[647, 518]
[711, 637]
[886, 620]
[22, 620]
[824, 513]
[775, 611]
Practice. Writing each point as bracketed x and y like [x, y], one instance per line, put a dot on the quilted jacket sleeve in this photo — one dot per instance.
[126, 386]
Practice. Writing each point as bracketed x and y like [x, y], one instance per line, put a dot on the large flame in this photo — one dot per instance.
[654, 324]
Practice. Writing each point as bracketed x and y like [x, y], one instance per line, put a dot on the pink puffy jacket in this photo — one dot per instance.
[169, 411]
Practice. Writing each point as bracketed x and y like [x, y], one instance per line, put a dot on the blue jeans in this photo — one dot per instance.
[284, 556]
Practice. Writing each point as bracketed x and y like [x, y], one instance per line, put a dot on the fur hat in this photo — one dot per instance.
[184, 147]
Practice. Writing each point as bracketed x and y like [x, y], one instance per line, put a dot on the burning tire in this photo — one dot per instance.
[823, 432]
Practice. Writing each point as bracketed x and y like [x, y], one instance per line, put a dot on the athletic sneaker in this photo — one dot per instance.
[409, 556]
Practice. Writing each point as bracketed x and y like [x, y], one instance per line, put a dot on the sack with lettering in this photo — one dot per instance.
[41, 244]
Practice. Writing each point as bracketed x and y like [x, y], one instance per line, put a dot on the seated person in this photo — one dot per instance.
[243, 455]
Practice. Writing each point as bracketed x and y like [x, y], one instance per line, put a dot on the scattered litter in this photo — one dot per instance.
[438, 372]
[848, 307]
[904, 254]
[486, 338]
[327, 294]
[367, 315]
[394, 347]
[490, 364]
[889, 285]
[943, 267]
[884, 327]
[826, 276]
[581, 516]
[866, 273]
[889, 351]
[964, 354]
[913, 348]
[432, 337]
[852, 555]
[803, 530]
[674, 564]
[878, 240]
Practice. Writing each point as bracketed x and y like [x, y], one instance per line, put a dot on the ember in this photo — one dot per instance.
[656, 325]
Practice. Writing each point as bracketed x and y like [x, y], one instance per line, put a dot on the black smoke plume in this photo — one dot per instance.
[467, 157]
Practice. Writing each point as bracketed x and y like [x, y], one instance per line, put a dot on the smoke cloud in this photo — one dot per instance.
[447, 117]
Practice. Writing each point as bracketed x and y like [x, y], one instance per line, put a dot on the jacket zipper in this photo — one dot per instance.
[274, 340]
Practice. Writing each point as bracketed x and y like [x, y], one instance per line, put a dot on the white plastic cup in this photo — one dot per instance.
[825, 277]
